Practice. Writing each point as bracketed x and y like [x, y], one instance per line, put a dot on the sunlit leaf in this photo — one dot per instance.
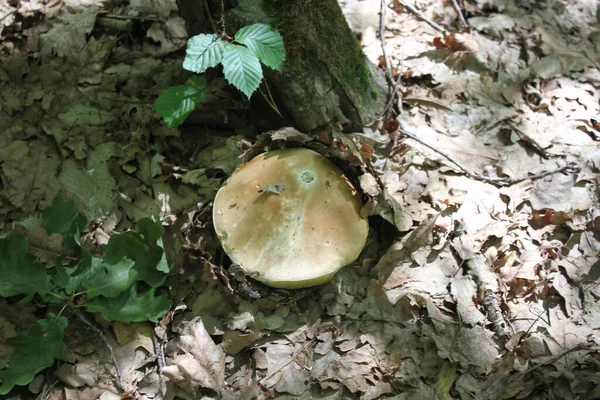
[203, 51]
[266, 43]
[176, 103]
[242, 68]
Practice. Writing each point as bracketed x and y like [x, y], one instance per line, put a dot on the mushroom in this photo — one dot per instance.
[290, 219]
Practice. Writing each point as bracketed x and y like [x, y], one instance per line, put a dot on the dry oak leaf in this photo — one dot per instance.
[201, 363]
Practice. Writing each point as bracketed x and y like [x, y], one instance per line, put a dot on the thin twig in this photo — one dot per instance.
[209, 16]
[270, 101]
[106, 344]
[461, 17]
[388, 67]
[568, 168]
[8, 15]
[393, 96]
[45, 394]
[160, 358]
[420, 16]
[392, 86]
[553, 359]
[288, 362]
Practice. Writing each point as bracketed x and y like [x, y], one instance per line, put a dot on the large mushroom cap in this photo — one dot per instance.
[300, 237]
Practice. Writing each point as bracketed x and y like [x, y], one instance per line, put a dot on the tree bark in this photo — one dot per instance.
[325, 78]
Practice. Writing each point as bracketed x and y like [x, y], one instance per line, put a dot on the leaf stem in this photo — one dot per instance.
[270, 101]
[106, 343]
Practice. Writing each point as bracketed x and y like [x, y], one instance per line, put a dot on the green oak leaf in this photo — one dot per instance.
[63, 217]
[266, 43]
[176, 103]
[21, 272]
[131, 306]
[144, 248]
[203, 51]
[69, 277]
[241, 68]
[109, 280]
[35, 351]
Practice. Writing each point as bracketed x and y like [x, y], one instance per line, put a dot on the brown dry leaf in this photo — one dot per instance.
[198, 362]
[29, 174]
[68, 38]
[284, 364]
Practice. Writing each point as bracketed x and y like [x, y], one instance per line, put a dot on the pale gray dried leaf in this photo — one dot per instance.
[289, 134]
[283, 371]
[202, 362]
[478, 345]
[171, 34]
[464, 291]
[369, 184]
[293, 380]
[445, 381]
[157, 8]
[570, 293]
[183, 198]
[559, 192]
[496, 25]
[69, 37]
[29, 172]
[85, 115]
[273, 189]
[591, 309]
[95, 188]
[564, 332]
[241, 321]
[221, 154]
[235, 341]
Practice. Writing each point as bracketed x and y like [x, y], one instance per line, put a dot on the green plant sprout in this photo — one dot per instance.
[121, 284]
[240, 57]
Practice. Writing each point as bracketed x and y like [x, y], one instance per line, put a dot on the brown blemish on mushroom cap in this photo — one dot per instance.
[298, 238]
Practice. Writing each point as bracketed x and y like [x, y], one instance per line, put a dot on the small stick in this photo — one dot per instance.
[160, 358]
[568, 168]
[420, 16]
[106, 344]
[553, 359]
[288, 362]
[389, 105]
[461, 17]
[388, 67]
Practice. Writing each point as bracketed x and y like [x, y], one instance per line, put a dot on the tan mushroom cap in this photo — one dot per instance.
[300, 237]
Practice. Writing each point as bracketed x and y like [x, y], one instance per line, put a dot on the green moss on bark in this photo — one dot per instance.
[336, 47]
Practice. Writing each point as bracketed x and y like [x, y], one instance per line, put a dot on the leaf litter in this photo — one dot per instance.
[476, 287]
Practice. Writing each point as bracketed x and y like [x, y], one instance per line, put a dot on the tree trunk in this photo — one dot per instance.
[325, 78]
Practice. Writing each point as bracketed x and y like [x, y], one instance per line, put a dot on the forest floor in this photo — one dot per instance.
[480, 276]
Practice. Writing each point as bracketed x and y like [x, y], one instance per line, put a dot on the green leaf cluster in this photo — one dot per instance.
[176, 103]
[241, 59]
[121, 284]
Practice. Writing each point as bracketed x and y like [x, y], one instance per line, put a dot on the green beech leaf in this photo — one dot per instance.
[21, 272]
[266, 43]
[176, 103]
[131, 306]
[203, 51]
[241, 68]
[35, 351]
